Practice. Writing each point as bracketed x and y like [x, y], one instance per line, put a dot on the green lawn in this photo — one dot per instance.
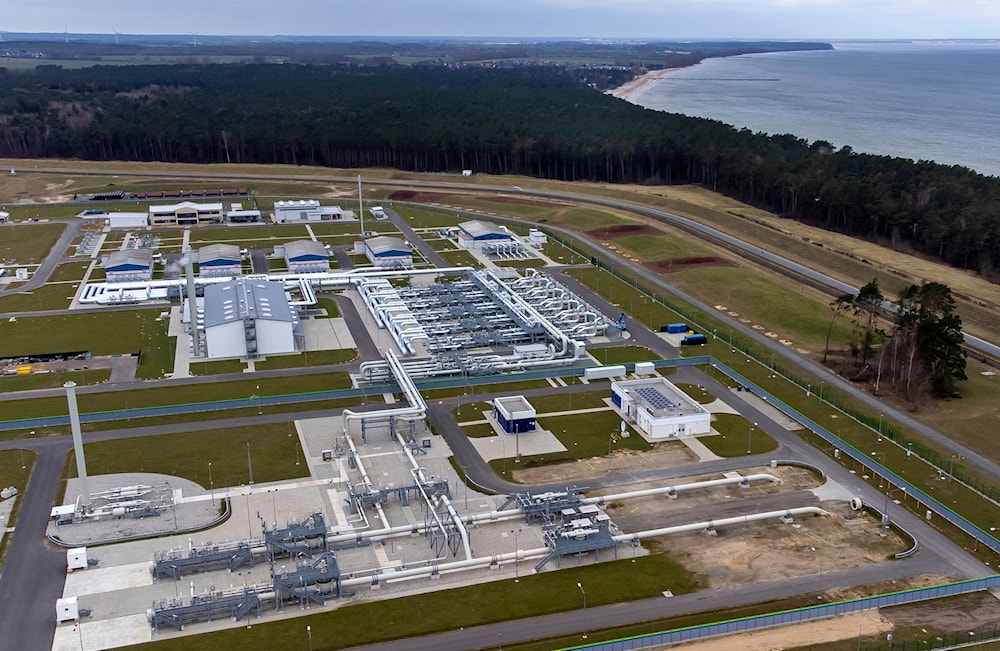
[610, 355]
[696, 393]
[272, 450]
[444, 610]
[251, 233]
[560, 254]
[330, 305]
[734, 432]
[70, 271]
[27, 243]
[313, 358]
[533, 263]
[589, 218]
[101, 333]
[428, 217]
[659, 247]
[47, 297]
[217, 367]
[460, 258]
[53, 380]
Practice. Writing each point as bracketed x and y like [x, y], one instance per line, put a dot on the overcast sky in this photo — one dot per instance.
[815, 19]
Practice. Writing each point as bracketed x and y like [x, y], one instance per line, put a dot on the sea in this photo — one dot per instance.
[923, 100]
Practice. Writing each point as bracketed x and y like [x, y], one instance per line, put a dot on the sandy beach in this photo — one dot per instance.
[630, 91]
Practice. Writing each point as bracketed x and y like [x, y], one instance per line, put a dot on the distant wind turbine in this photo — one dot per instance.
[194, 35]
[66, 33]
[116, 37]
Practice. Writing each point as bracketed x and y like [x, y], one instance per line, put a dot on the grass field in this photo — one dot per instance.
[734, 435]
[623, 354]
[53, 380]
[28, 243]
[562, 255]
[47, 297]
[101, 333]
[272, 451]
[659, 247]
[314, 358]
[70, 271]
[461, 258]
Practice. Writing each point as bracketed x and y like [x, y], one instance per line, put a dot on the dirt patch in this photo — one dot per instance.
[525, 202]
[967, 612]
[419, 197]
[675, 265]
[803, 635]
[662, 455]
[621, 230]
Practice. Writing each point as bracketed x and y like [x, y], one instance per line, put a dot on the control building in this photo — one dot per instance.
[130, 265]
[186, 213]
[514, 413]
[659, 409]
[388, 253]
[306, 210]
[475, 234]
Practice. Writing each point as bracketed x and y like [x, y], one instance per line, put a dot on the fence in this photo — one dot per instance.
[807, 614]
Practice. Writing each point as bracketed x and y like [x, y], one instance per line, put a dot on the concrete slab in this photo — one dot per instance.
[102, 634]
[769, 410]
[832, 490]
[107, 579]
[530, 443]
[327, 334]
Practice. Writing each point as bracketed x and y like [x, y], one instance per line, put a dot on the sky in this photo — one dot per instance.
[640, 19]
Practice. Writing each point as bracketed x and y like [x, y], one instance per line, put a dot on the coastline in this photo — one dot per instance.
[631, 90]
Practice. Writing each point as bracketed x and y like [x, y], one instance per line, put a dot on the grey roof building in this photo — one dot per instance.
[249, 318]
[306, 256]
[129, 265]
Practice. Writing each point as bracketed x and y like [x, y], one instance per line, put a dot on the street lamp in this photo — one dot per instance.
[211, 484]
[517, 556]
[749, 434]
[880, 427]
[259, 411]
[309, 632]
[580, 585]
[885, 512]
[249, 464]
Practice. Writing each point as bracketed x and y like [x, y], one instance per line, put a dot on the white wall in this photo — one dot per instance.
[226, 340]
[274, 337]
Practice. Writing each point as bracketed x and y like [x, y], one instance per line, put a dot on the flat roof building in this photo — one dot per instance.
[389, 253]
[249, 318]
[130, 265]
[219, 260]
[128, 219]
[514, 413]
[306, 256]
[474, 234]
[305, 210]
[659, 409]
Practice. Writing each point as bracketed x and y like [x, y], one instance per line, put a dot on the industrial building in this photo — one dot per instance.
[305, 257]
[514, 413]
[127, 219]
[249, 318]
[240, 216]
[475, 234]
[306, 210]
[130, 265]
[659, 409]
[186, 213]
[219, 260]
[389, 253]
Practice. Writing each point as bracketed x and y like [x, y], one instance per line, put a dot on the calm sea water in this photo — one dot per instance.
[933, 101]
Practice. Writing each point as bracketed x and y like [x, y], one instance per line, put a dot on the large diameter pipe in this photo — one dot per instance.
[603, 499]
[708, 524]
[492, 516]
[364, 478]
[467, 564]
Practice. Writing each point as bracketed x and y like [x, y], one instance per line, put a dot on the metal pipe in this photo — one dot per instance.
[470, 563]
[679, 487]
[694, 526]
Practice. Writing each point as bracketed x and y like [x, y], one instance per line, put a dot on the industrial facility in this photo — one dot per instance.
[475, 234]
[307, 210]
[249, 318]
[388, 252]
[659, 409]
[305, 257]
[219, 261]
[186, 213]
[129, 265]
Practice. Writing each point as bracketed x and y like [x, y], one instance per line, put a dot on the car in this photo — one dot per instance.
[518, 188]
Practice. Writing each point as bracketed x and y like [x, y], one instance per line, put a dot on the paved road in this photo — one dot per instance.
[432, 256]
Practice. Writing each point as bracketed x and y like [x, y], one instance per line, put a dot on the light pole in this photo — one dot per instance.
[21, 450]
[885, 513]
[580, 585]
[503, 443]
[249, 464]
[309, 632]
[749, 434]
[821, 383]
[249, 521]
[274, 512]
[259, 411]
[211, 484]
[880, 427]
[517, 555]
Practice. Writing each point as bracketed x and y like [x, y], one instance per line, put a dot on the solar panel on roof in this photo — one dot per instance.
[655, 399]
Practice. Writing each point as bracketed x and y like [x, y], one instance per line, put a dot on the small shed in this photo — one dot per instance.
[514, 413]
[67, 609]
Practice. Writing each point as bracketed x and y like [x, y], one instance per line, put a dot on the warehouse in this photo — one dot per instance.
[474, 234]
[127, 219]
[514, 413]
[388, 253]
[186, 213]
[130, 265]
[219, 260]
[659, 409]
[306, 210]
[248, 319]
[306, 257]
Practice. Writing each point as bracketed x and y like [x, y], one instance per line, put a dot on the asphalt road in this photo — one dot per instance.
[54, 257]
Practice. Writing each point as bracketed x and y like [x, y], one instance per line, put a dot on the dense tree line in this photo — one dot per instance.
[531, 120]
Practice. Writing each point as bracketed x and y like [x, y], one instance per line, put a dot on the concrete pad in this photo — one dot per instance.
[699, 448]
[107, 579]
[719, 406]
[103, 634]
[768, 409]
[537, 442]
[832, 490]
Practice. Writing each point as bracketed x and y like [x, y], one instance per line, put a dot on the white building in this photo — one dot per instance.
[306, 257]
[249, 318]
[388, 253]
[474, 234]
[659, 409]
[306, 210]
[127, 219]
[129, 265]
[185, 213]
[219, 260]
